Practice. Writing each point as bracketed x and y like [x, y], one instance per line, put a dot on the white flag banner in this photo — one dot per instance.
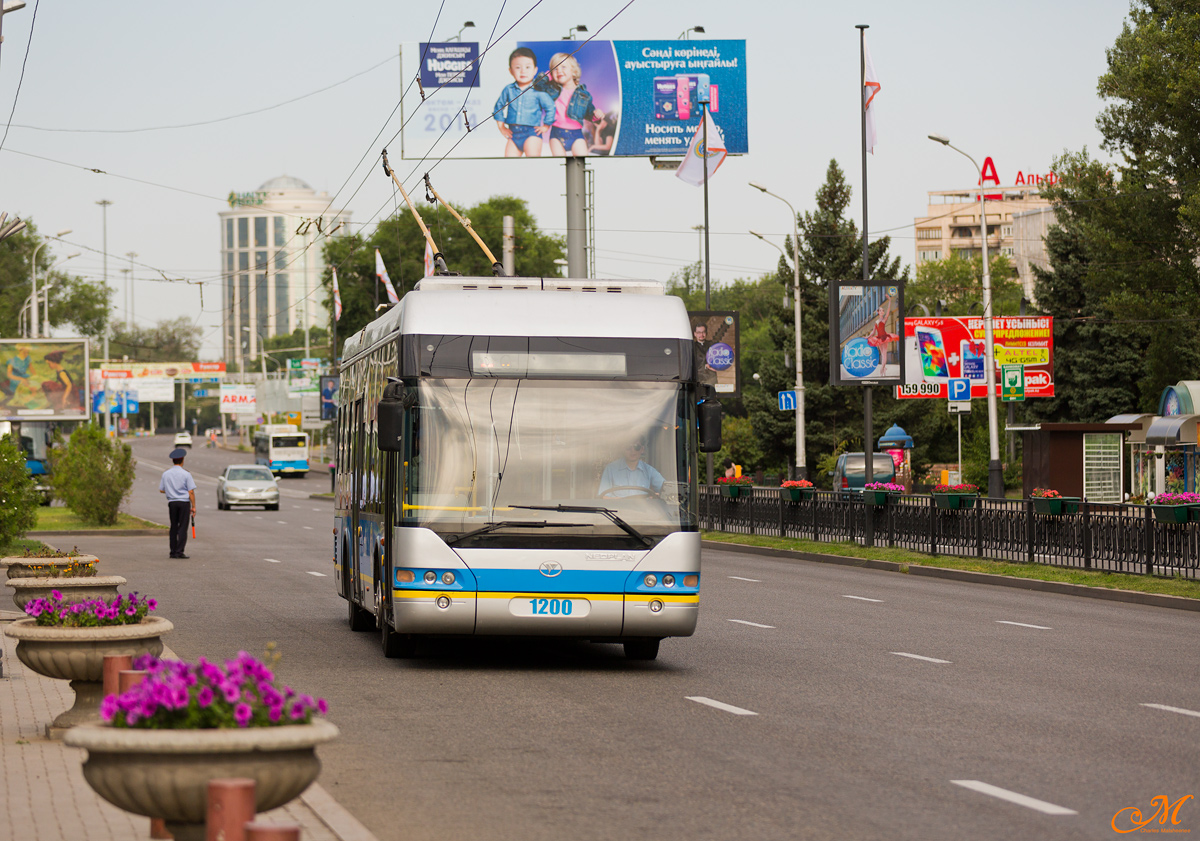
[382, 275]
[870, 88]
[428, 259]
[337, 297]
[699, 164]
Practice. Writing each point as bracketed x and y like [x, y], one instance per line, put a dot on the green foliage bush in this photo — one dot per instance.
[92, 474]
[18, 499]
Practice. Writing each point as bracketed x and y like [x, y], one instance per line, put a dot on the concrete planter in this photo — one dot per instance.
[19, 566]
[77, 655]
[75, 589]
[165, 773]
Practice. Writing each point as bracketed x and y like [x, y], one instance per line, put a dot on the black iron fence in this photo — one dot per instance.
[1097, 536]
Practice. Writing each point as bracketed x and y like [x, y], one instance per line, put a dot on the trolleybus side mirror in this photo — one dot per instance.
[391, 416]
[709, 413]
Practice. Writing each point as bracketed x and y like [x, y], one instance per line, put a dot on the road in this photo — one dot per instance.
[814, 701]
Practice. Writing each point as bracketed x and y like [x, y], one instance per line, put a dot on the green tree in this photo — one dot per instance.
[402, 247]
[18, 499]
[170, 340]
[957, 281]
[92, 474]
[74, 302]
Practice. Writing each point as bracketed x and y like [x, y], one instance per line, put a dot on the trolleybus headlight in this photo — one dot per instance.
[405, 576]
[443, 602]
[668, 581]
[650, 580]
[447, 578]
[655, 606]
[691, 581]
[430, 577]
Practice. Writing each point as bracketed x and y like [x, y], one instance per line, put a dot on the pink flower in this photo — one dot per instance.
[242, 713]
[204, 697]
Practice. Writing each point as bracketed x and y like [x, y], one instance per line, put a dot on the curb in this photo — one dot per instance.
[1060, 587]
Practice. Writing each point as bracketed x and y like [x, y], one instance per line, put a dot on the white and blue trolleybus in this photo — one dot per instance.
[282, 448]
[518, 457]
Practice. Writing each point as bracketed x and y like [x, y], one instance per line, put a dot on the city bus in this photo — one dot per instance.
[282, 448]
[518, 457]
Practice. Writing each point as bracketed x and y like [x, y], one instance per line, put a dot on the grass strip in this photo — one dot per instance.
[53, 518]
[17, 547]
[1188, 588]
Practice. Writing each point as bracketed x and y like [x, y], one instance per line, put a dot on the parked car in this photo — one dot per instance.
[850, 472]
[183, 439]
[247, 484]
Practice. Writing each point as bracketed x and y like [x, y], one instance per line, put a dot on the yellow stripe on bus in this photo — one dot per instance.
[595, 597]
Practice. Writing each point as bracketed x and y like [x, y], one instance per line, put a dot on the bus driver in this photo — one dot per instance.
[625, 475]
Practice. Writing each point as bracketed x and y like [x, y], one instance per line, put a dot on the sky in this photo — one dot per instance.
[311, 89]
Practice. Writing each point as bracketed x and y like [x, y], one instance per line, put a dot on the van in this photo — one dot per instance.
[849, 474]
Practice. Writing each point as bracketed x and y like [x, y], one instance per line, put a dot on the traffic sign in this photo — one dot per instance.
[958, 389]
[1012, 383]
[200, 392]
[959, 407]
[787, 401]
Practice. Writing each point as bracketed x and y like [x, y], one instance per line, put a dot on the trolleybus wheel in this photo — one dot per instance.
[394, 644]
[359, 619]
[641, 649]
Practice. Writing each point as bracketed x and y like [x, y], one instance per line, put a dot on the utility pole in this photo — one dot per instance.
[129, 291]
[104, 203]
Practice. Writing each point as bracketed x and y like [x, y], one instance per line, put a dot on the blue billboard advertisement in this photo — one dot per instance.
[537, 99]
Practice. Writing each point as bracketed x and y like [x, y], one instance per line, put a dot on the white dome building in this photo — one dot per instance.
[271, 262]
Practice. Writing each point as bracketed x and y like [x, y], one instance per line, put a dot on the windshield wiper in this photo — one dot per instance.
[593, 509]
[520, 524]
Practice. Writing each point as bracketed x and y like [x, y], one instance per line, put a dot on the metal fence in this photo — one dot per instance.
[1097, 536]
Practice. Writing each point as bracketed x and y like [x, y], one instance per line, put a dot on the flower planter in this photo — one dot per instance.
[75, 589]
[77, 655]
[797, 494]
[879, 497]
[21, 567]
[953, 502]
[1171, 513]
[1056, 505]
[165, 773]
[735, 491]
[1194, 513]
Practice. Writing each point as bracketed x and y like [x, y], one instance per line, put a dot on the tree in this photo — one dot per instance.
[92, 474]
[171, 340]
[957, 281]
[402, 247]
[19, 499]
[74, 302]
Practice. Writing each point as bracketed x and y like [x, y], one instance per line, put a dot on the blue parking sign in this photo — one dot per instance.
[787, 401]
[958, 389]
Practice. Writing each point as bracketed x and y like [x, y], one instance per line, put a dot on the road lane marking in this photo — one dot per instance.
[297, 507]
[271, 560]
[1012, 797]
[258, 518]
[282, 522]
[318, 509]
[1023, 625]
[729, 708]
[862, 598]
[318, 574]
[308, 528]
[751, 624]
[1179, 710]
[739, 578]
[919, 657]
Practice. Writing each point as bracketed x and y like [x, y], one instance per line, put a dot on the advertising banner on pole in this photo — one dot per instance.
[940, 349]
[866, 322]
[329, 394]
[173, 370]
[44, 379]
[715, 349]
[238, 400]
[620, 98]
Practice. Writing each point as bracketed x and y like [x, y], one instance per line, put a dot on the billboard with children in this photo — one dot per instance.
[43, 379]
[539, 99]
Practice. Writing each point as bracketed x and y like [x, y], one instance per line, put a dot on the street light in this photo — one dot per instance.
[262, 351]
[468, 25]
[46, 289]
[781, 251]
[684, 33]
[570, 36]
[33, 323]
[801, 461]
[995, 471]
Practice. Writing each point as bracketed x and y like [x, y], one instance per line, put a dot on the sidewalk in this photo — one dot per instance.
[42, 791]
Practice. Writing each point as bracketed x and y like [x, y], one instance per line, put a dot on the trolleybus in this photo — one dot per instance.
[282, 448]
[518, 457]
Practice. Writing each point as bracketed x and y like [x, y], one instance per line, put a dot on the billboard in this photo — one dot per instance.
[302, 376]
[194, 371]
[44, 379]
[329, 395]
[866, 321]
[628, 98]
[238, 400]
[940, 349]
[716, 351]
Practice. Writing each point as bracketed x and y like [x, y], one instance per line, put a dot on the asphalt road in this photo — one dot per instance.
[814, 701]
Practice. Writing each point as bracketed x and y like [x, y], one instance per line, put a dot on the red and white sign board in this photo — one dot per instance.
[238, 400]
[940, 349]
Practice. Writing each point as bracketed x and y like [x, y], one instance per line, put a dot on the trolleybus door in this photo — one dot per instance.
[357, 467]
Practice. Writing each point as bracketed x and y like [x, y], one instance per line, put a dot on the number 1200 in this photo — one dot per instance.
[550, 607]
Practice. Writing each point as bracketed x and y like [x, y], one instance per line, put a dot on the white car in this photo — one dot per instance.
[247, 484]
[183, 439]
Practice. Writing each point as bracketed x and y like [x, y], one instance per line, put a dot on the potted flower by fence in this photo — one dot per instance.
[797, 489]
[735, 486]
[953, 497]
[186, 724]
[881, 493]
[1175, 507]
[1050, 501]
[69, 641]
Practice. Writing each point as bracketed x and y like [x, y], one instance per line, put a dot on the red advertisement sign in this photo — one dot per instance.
[940, 349]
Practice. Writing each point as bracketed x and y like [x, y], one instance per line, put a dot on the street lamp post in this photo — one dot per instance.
[46, 290]
[470, 24]
[995, 470]
[801, 461]
[33, 320]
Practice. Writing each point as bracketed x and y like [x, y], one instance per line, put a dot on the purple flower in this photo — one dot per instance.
[56, 595]
[242, 713]
[108, 707]
[322, 707]
[152, 603]
[204, 697]
[297, 711]
[231, 692]
[275, 712]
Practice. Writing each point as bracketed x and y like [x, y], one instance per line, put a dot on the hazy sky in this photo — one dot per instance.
[1015, 81]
